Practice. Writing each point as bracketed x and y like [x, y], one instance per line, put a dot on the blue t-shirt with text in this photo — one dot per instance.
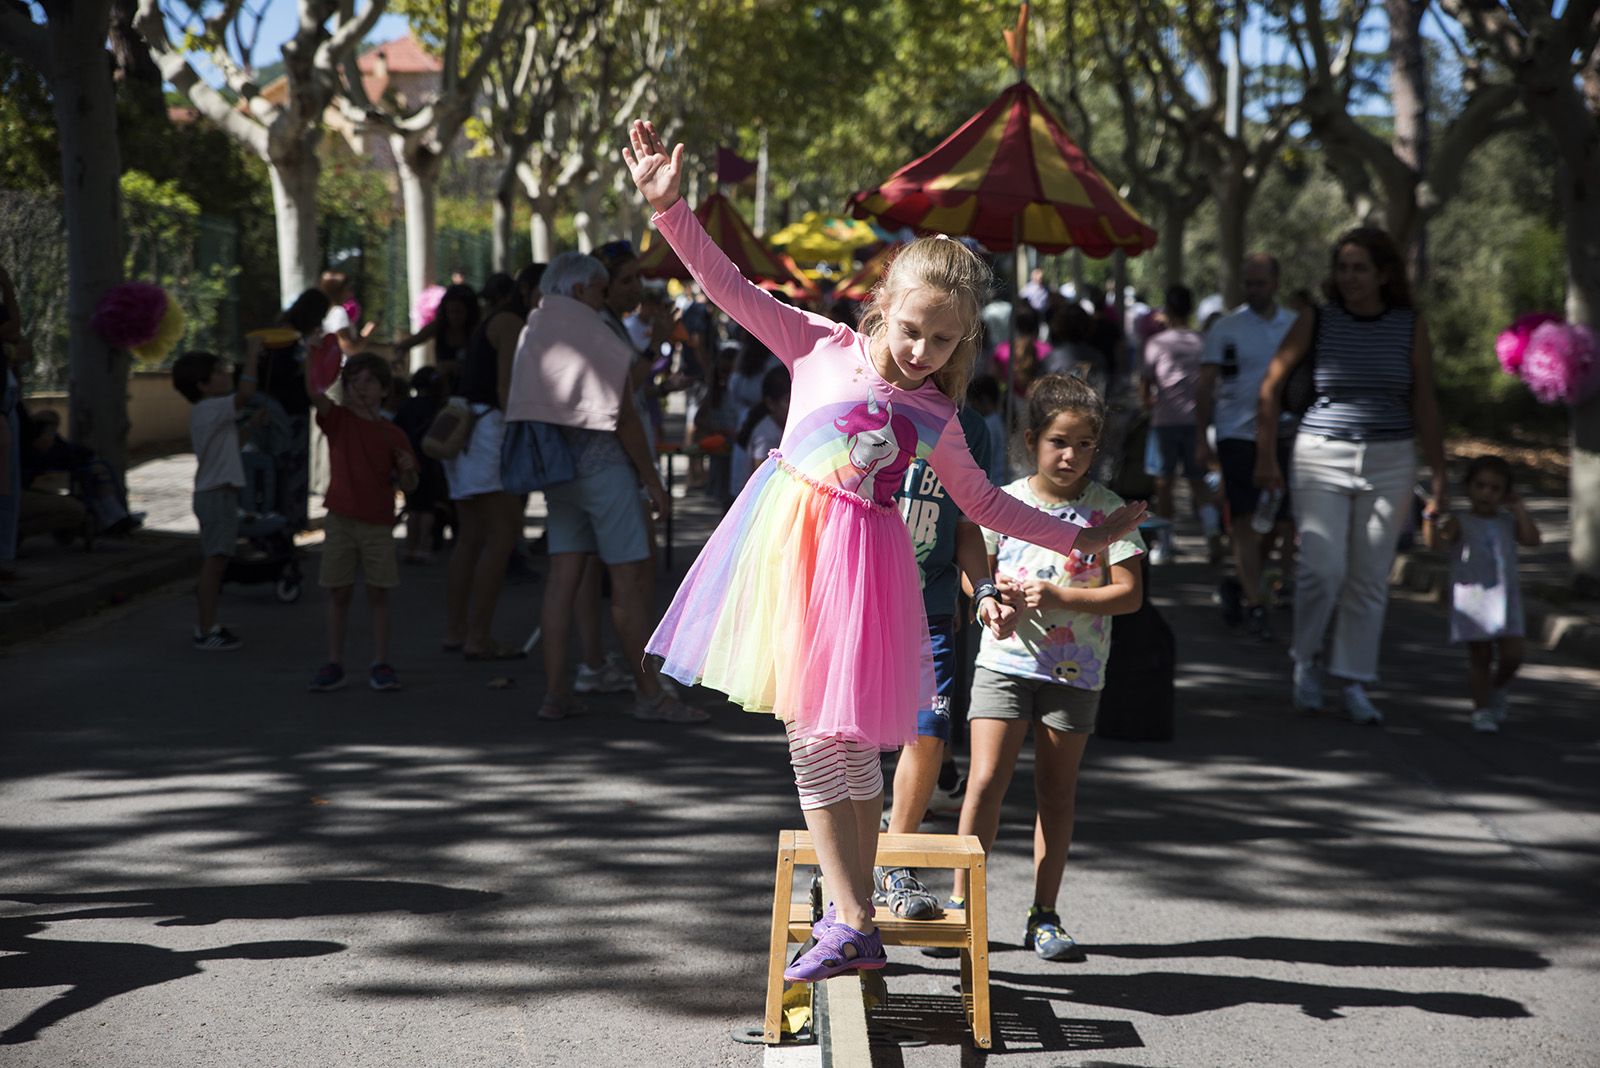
[931, 516]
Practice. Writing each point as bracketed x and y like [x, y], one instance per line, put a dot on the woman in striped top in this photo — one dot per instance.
[1354, 460]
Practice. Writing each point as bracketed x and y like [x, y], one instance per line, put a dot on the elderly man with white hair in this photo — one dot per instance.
[571, 372]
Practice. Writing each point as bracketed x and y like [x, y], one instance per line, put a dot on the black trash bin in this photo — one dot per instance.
[1139, 702]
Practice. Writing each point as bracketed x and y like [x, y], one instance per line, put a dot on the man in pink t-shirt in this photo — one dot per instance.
[1169, 374]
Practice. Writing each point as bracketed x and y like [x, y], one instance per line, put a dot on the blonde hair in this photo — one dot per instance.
[954, 270]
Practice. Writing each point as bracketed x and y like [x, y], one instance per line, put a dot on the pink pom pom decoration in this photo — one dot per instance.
[426, 307]
[1513, 340]
[130, 314]
[1561, 364]
[167, 335]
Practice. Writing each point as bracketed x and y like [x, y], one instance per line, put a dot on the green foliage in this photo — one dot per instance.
[29, 152]
[32, 237]
[1496, 253]
[162, 228]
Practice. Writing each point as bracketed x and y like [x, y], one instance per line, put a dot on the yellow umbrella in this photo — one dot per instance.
[819, 236]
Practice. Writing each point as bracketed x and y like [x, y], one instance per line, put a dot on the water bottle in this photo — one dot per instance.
[1266, 513]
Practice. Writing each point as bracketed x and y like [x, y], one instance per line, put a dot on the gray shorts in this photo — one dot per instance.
[599, 513]
[1063, 708]
[218, 512]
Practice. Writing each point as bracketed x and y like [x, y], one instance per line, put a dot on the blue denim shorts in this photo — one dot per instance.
[1170, 450]
[935, 722]
[599, 513]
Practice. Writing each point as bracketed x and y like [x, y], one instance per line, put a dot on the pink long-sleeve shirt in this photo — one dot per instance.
[849, 431]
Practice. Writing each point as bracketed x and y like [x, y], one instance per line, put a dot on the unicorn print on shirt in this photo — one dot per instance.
[881, 446]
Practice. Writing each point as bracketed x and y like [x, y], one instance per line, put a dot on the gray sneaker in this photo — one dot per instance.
[1307, 689]
[1500, 705]
[1484, 721]
[608, 678]
[903, 892]
[1360, 706]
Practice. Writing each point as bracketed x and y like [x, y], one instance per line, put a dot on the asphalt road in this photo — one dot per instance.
[205, 865]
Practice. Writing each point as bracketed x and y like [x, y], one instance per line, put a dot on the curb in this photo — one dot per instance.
[1559, 631]
[33, 617]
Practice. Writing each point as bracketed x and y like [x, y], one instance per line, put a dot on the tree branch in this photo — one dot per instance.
[1478, 121]
[346, 36]
[246, 128]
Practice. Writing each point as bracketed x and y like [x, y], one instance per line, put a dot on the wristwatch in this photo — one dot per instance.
[980, 592]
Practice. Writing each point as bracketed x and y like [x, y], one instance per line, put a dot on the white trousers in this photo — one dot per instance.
[1350, 501]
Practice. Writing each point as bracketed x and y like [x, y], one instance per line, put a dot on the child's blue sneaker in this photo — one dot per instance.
[1046, 937]
[329, 676]
[384, 678]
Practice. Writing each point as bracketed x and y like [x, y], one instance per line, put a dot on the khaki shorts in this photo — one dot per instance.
[218, 512]
[349, 545]
[1063, 708]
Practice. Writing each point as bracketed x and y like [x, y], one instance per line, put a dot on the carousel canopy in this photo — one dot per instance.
[730, 233]
[1010, 176]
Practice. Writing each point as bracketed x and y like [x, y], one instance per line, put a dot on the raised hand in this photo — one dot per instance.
[1118, 524]
[655, 172]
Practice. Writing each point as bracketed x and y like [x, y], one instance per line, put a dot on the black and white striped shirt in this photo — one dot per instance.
[1363, 375]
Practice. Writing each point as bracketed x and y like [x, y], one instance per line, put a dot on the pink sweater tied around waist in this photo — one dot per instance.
[570, 369]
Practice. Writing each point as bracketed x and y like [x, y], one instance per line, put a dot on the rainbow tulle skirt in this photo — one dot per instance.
[806, 603]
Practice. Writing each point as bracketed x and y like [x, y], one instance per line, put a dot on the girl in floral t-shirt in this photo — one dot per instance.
[1048, 663]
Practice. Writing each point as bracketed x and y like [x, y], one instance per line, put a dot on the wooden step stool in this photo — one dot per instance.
[965, 929]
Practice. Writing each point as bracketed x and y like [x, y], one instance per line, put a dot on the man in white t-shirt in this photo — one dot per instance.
[1239, 347]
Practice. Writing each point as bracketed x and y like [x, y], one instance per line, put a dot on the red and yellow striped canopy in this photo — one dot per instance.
[1012, 162]
[860, 285]
[803, 288]
[754, 260]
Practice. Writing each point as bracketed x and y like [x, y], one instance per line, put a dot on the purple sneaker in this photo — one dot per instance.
[829, 918]
[831, 955]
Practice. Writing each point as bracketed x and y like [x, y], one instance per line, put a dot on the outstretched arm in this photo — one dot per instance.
[789, 332]
[984, 503]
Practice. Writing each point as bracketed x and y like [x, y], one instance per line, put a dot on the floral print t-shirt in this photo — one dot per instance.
[1057, 646]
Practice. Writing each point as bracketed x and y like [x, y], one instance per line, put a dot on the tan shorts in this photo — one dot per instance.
[349, 545]
[1065, 708]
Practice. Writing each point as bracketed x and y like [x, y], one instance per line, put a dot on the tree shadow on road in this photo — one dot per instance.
[95, 972]
[191, 906]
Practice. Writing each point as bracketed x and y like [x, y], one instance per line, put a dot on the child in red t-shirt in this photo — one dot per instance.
[367, 455]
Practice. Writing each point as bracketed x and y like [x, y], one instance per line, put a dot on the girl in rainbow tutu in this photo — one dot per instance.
[806, 601]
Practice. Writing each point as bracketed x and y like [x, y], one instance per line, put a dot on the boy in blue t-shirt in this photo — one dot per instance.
[943, 539]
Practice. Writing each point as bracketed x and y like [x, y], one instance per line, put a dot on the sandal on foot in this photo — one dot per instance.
[903, 892]
[560, 708]
[841, 949]
[829, 918]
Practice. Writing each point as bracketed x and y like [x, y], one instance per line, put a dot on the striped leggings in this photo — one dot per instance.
[829, 770]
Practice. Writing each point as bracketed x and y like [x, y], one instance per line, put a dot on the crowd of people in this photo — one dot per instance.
[927, 504]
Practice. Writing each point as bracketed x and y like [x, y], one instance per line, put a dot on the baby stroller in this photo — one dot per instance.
[266, 551]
